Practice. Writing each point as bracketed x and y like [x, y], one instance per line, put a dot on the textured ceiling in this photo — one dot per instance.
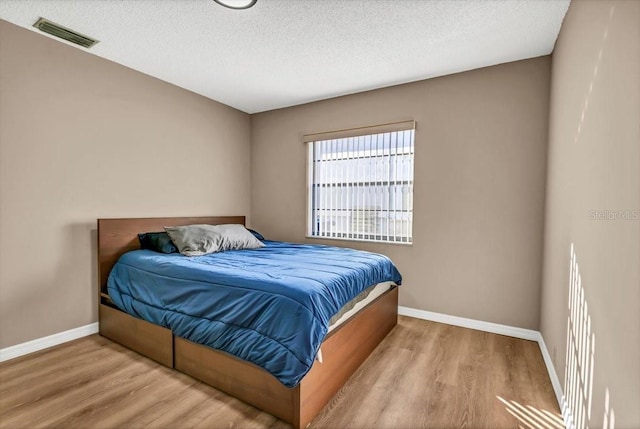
[286, 52]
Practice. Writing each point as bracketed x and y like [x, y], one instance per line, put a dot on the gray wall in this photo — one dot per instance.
[480, 160]
[593, 190]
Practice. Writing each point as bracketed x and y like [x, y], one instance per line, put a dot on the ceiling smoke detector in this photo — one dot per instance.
[65, 33]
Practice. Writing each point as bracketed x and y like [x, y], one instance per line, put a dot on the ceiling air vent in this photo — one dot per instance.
[64, 33]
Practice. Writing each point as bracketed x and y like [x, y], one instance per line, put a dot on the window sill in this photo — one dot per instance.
[360, 240]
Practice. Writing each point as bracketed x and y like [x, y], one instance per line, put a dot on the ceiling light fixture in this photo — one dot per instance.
[236, 4]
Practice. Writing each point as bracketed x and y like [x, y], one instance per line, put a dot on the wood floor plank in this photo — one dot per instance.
[16, 374]
[423, 375]
[43, 412]
[77, 372]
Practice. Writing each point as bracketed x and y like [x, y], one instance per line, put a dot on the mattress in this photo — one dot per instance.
[351, 308]
[269, 306]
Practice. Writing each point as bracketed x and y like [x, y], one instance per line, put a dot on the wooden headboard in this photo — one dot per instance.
[117, 236]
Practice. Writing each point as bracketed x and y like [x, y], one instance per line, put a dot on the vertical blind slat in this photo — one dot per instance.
[349, 176]
[402, 193]
[332, 176]
[367, 192]
[359, 175]
[388, 177]
[395, 191]
[323, 195]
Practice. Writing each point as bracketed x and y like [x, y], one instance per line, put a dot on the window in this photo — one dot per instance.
[360, 183]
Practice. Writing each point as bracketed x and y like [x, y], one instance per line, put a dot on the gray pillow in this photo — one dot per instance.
[196, 240]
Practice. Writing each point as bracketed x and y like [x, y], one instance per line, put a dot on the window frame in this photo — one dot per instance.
[310, 139]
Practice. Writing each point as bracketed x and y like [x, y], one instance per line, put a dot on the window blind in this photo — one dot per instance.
[360, 183]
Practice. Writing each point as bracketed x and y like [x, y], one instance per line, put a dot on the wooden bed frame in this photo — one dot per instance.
[344, 349]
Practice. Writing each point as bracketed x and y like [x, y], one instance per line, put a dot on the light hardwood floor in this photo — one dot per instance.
[423, 375]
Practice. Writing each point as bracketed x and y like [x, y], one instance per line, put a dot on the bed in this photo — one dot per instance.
[343, 349]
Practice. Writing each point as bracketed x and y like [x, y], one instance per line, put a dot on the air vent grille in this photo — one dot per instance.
[64, 33]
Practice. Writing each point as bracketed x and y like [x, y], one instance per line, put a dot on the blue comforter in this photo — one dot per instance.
[269, 306]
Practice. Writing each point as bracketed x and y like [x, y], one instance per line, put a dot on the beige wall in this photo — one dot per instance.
[594, 166]
[82, 138]
[480, 159]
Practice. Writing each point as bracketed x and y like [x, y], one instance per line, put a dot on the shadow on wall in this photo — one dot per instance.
[78, 265]
[93, 236]
[580, 360]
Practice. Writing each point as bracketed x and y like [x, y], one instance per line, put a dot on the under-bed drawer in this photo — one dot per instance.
[150, 340]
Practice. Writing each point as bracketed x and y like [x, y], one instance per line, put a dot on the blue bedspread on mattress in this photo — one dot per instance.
[270, 306]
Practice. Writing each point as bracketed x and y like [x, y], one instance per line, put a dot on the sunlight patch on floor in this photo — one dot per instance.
[531, 417]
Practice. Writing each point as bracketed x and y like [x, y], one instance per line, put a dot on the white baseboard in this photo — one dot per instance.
[46, 342]
[511, 331]
[495, 328]
[555, 382]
